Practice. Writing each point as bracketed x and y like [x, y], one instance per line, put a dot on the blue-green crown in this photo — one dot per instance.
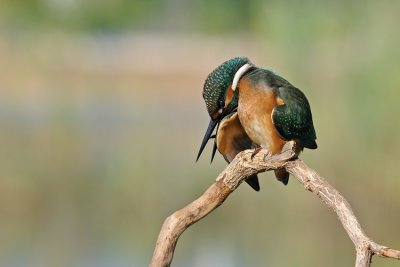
[218, 81]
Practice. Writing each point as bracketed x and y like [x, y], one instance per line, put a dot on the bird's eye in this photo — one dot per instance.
[221, 103]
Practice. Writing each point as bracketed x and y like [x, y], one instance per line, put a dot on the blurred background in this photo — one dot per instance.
[101, 119]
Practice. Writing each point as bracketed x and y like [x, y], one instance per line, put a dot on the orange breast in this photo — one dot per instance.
[256, 102]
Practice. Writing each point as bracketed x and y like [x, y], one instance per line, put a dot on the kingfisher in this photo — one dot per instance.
[270, 110]
[230, 137]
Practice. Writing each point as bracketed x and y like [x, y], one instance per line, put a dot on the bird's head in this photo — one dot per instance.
[219, 92]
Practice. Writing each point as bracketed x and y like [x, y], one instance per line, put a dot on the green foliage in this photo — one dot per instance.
[86, 15]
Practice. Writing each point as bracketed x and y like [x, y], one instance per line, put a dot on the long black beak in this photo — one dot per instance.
[214, 150]
[207, 136]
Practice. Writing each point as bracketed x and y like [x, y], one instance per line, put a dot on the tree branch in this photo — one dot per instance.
[235, 173]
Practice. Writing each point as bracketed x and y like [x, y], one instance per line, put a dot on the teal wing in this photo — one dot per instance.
[293, 119]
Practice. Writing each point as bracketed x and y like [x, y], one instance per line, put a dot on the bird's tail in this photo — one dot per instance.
[282, 175]
[253, 182]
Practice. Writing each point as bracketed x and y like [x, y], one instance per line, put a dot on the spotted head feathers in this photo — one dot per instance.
[217, 83]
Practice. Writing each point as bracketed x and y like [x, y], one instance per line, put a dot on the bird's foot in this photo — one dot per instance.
[266, 156]
[256, 150]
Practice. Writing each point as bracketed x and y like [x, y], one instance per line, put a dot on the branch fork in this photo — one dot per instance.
[235, 173]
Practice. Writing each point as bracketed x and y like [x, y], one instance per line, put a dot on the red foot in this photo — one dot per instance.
[256, 150]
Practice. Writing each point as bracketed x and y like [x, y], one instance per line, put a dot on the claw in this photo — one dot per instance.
[256, 150]
[267, 155]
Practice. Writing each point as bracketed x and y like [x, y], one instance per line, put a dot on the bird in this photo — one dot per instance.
[271, 110]
[230, 137]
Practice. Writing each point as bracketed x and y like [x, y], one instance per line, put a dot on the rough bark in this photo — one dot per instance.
[235, 173]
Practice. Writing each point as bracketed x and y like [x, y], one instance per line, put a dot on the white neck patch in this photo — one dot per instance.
[239, 74]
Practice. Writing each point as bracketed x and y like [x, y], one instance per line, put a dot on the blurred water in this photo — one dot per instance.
[99, 133]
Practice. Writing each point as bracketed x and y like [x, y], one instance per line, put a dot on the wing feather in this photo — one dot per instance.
[293, 119]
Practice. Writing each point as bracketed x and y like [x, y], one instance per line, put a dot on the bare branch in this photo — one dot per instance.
[235, 173]
[313, 182]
